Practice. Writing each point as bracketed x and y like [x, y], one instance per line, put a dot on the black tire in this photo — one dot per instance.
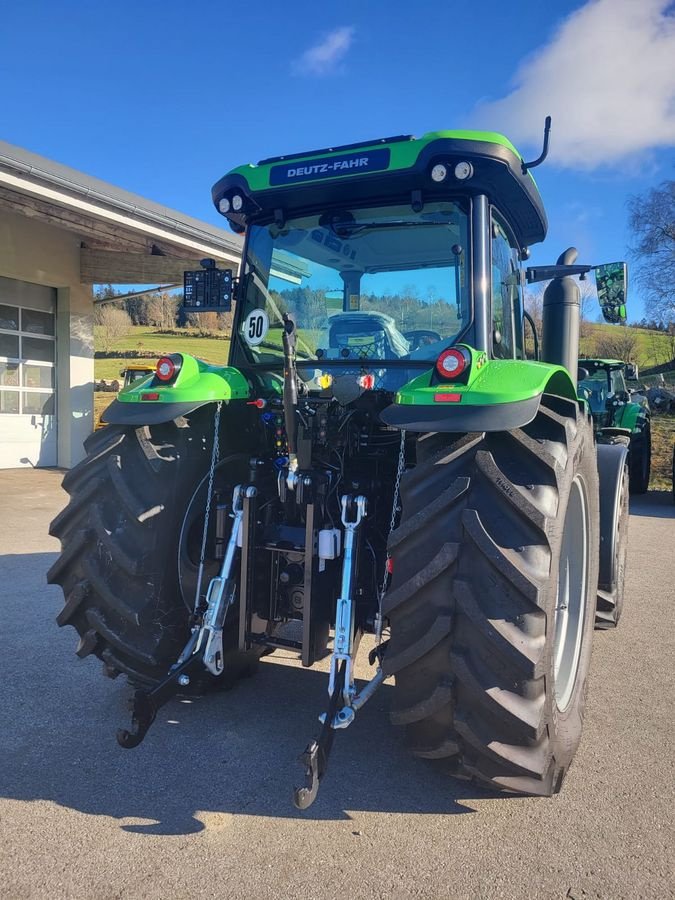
[120, 547]
[610, 596]
[474, 594]
[640, 461]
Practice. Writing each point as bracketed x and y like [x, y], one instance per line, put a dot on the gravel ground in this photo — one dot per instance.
[203, 807]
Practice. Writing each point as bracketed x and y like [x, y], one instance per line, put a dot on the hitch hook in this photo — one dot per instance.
[146, 704]
[315, 757]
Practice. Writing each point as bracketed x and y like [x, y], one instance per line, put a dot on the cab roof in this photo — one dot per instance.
[385, 168]
[603, 363]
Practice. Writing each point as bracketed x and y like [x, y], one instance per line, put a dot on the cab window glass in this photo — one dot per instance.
[618, 382]
[506, 295]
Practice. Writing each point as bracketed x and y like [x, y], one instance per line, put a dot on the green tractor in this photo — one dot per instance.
[619, 416]
[378, 458]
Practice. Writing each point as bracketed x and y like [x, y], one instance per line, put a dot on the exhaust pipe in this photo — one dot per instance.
[561, 313]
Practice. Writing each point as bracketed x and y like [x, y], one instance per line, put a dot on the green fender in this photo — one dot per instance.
[499, 395]
[632, 416]
[150, 401]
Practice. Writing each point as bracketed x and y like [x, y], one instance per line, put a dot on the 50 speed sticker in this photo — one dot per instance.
[256, 326]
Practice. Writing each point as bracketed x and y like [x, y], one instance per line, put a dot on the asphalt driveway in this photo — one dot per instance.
[203, 807]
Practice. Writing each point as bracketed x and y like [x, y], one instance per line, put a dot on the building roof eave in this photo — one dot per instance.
[26, 172]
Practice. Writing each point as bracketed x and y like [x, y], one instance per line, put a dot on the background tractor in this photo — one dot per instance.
[136, 372]
[618, 415]
[130, 373]
[378, 457]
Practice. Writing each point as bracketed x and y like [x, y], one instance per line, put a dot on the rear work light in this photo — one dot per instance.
[451, 363]
[168, 367]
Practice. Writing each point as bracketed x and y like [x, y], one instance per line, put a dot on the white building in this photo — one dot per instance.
[61, 232]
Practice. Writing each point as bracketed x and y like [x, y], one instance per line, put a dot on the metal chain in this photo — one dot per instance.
[215, 456]
[392, 524]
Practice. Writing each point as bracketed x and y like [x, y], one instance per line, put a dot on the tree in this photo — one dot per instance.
[204, 322]
[225, 320]
[651, 218]
[160, 310]
[619, 343]
[113, 325]
[534, 303]
[588, 296]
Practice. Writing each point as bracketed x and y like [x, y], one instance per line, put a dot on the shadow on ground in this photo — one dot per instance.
[655, 504]
[229, 753]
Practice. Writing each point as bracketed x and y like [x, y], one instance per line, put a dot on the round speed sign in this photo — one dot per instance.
[256, 326]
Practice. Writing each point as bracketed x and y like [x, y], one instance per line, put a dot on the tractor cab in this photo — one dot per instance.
[603, 386]
[387, 254]
[134, 372]
[384, 254]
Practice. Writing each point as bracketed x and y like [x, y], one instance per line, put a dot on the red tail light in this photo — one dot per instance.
[166, 368]
[451, 363]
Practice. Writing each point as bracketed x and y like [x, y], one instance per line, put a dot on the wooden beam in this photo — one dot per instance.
[158, 289]
[60, 217]
[111, 267]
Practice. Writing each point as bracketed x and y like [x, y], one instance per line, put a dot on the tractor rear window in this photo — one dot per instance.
[596, 389]
[378, 284]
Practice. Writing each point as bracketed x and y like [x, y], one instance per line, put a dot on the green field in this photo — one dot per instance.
[663, 440]
[141, 338]
[652, 346]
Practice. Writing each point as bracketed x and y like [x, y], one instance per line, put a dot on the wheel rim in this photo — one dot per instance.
[572, 596]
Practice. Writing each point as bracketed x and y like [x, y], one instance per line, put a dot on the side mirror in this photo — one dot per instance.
[612, 283]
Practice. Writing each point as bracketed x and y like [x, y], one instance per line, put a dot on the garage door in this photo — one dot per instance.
[27, 375]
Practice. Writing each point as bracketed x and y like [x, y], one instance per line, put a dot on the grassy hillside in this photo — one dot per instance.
[653, 347]
[142, 338]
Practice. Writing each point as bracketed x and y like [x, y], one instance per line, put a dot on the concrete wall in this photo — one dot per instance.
[39, 253]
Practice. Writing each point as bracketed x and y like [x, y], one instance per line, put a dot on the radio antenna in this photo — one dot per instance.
[544, 153]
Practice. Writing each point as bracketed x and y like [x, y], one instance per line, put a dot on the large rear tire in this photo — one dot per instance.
[128, 541]
[610, 596]
[640, 461]
[495, 568]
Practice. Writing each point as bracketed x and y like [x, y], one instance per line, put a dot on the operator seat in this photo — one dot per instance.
[362, 338]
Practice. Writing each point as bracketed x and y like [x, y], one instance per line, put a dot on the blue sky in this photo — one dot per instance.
[163, 98]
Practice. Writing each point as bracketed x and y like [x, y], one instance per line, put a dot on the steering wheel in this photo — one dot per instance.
[421, 337]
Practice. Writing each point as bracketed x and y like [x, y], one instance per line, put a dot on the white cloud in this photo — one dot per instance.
[607, 77]
[322, 58]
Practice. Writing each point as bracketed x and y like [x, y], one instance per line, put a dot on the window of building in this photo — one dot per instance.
[27, 360]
